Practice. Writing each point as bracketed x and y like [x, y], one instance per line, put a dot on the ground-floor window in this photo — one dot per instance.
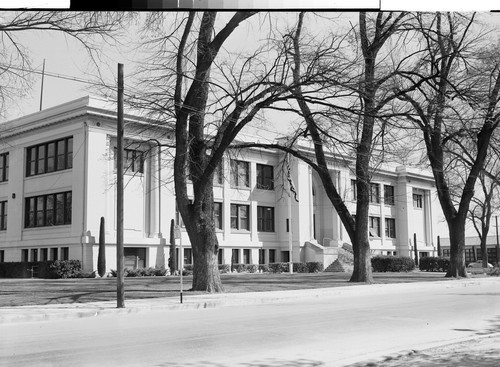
[135, 257]
[235, 256]
[24, 255]
[54, 253]
[272, 256]
[246, 256]
[2, 256]
[285, 256]
[188, 256]
[64, 253]
[220, 256]
[34, 254]
[262, 256]
[44, 254]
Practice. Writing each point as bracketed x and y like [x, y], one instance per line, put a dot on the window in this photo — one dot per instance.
[44, 254]
[285, 256]
[218, 175]
[390, 227]
[446, 252]
[235, 256]
[354, 190]
[24, 255]
[4, 167]
[34, 255]
[262, 256]
[220, 256]
[265, 219]
[54, 253]
[48, 157]
[218, 215]
[389, 195]
[3, 215]
[246, 256]
[64, 253]
[188, 256]
[239, 217]
[374, 226]
[240, 174]
[48, 210]
[272, 256]
[374, 193]
[265, 177]
[417, 201]
[2, 256]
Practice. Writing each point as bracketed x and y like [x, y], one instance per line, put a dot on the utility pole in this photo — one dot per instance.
[498, 243]
[120, 291]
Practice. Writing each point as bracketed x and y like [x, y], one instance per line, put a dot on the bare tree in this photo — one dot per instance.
[92, 30]
[456, 111]
[209, 98]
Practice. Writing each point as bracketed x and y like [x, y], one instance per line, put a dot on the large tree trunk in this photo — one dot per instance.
[362, 261]
[457, 249]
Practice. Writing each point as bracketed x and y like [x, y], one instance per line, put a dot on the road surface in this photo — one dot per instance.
[327, 331]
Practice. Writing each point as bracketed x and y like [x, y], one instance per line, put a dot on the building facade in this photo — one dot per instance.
[58, 175]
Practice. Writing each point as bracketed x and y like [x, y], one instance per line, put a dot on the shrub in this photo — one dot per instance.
[495, 271]
[278, 267]
[300, 268]
[239, 268]
[392, 263]
[65, 268]
[314, 267]
[83, 274]
[264, 268]
[433, 263]
[224, 268]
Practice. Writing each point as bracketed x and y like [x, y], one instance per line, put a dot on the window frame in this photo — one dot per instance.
[371, 222]
[264, 223]
[59, 214]
[239, 217]
[390, 227]
[236, 177]
[389, 199]
[4, 207]
[38, 160]
[219, 222]
[374, 187]
[4, 167]
[265, 179]
[418, 201]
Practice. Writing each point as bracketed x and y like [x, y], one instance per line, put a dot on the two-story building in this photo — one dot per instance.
[58, 178]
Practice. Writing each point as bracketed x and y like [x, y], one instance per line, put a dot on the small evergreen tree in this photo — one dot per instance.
[101, 258]
[172, 261]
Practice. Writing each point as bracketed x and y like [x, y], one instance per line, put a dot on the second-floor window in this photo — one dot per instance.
[389, 195]
[354, 190]
[48, 157]
[265, 219]
[390, 227]
[48, 210]
[265, 177]
[240, 173]
[374, 193]
[417, 201]
[374, 226]
[240, 217]
[3, 215]
[4, 167]
[218, 215]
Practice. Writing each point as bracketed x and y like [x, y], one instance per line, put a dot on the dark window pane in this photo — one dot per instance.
[41, 159]
[51, 157]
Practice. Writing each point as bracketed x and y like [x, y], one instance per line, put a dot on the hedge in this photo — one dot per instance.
[42, 269]
[283, 267]
[432, 263]
[392, 263]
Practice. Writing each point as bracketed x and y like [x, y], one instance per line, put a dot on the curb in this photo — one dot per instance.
[206, 301]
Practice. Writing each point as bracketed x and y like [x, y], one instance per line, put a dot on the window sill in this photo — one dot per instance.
[46, 174]
[240, 231]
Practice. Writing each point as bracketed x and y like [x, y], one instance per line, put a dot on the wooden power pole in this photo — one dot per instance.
[120, 291]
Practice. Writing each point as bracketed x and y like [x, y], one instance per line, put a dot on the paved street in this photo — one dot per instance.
[335, 329]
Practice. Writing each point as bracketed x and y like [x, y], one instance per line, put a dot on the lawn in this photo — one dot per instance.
[18, 292]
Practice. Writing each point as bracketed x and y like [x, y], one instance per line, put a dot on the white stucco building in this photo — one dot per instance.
[58, 177]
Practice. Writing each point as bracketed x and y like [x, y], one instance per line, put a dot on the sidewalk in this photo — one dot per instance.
[191, 302]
